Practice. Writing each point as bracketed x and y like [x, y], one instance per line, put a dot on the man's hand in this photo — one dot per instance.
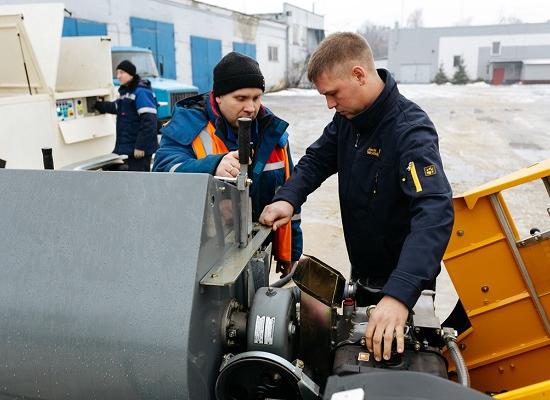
[229, 166]
[99, 106]
[387, 318]
[277, 214]
[139, 153]
[285, 267]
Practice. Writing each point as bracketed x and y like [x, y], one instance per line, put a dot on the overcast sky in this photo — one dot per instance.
[350, 14]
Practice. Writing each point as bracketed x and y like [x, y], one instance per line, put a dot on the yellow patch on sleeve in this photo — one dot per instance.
[430, 170]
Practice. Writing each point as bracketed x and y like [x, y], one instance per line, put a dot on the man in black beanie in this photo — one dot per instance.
[202, 137]
[136, 124]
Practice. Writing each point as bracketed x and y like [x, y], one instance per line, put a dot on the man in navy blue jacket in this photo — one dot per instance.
[136, 123]
[202, 137]
[396, 203]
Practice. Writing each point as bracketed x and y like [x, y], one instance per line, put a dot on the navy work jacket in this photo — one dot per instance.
[395, 200]
[136, 123]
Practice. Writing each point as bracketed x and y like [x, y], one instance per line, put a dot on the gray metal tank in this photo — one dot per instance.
[100, 296]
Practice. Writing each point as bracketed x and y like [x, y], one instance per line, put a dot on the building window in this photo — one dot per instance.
[495, 49]
[456, 61]
[273, 53]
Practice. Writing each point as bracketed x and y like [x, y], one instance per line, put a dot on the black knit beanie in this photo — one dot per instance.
[127, 67]
[237, 71]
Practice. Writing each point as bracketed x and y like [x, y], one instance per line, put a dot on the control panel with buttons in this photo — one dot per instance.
[65, 109]
[80, 107]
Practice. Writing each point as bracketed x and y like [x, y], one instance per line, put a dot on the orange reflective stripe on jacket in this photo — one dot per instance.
[283, 235]
[207, 143]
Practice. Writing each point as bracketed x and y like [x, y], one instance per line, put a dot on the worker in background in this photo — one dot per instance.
[395, 201]
[136, 124]
[202, 137]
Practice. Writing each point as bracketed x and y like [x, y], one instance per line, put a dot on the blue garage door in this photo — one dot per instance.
[248, 49]
[159, 38]
[205, 54]
[82, 27]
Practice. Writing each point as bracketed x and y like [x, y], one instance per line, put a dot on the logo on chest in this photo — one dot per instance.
[373, 152]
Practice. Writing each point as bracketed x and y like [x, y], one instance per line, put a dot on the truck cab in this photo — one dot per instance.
[167, 91]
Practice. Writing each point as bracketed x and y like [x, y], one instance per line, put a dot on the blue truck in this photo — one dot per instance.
[168, 91]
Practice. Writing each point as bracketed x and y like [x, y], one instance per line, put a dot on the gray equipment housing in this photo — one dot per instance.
[101, 293]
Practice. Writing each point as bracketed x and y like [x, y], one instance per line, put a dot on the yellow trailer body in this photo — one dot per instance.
[503, 282]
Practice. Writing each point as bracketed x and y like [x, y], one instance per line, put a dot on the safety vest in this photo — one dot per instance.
[207, 143]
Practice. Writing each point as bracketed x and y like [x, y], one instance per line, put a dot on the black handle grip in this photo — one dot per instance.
[244, 139]
[47, 157]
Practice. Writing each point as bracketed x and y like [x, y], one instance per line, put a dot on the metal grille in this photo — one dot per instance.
[175, 97]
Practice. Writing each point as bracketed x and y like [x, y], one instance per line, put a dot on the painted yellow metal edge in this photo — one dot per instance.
[535, 171]
[536, 391]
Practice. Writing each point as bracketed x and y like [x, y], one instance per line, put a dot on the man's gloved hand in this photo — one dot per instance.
[139, 153]
[99, 106]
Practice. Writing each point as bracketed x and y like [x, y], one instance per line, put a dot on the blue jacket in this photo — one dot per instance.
[190, 117]
[396, 203]
[136, 123]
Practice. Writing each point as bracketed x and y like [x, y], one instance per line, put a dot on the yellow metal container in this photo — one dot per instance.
[503, 282]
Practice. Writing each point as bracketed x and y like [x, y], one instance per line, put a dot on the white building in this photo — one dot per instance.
[188, 37]
[493, 53]
[305, 32]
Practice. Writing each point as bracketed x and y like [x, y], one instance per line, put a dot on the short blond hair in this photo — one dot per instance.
[339, 49]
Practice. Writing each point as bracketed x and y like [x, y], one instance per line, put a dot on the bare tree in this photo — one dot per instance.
[377, 36]
[509, 20]
[416, 19]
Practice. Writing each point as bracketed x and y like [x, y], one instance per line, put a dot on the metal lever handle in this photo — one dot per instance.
[244, 141]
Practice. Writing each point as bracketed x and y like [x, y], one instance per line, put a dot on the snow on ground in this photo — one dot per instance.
[294, 92]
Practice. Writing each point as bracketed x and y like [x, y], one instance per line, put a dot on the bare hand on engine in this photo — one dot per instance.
[386, 321]
[277, 214]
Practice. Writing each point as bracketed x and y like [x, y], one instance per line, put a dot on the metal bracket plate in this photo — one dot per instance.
[235, 260]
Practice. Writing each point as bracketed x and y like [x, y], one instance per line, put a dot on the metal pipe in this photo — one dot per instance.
[47, 157]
